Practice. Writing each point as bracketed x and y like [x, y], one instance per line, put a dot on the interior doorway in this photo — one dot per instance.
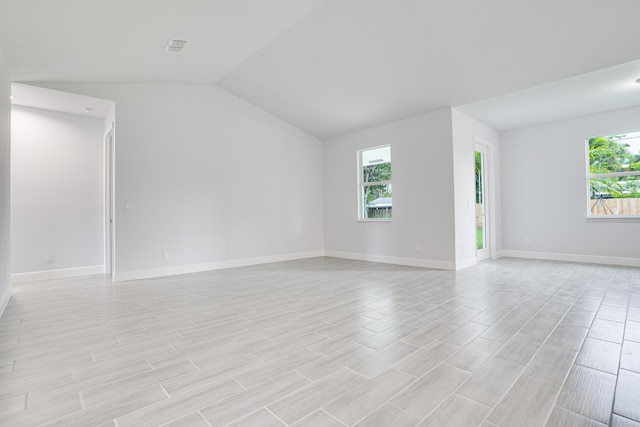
[482, 211]
[74, 227]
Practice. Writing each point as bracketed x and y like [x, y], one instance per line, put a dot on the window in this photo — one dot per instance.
[614, 175]
[374, 183]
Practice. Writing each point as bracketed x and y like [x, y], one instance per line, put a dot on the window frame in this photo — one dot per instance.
[591, 176]
[362, 184]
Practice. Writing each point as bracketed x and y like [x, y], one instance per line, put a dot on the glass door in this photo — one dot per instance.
[482, 249]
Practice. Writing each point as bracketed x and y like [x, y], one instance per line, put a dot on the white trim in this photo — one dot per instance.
[460, 265]
[612, 174]
[56, 274]
[590, 259]
[412, 262]
[108, 200]
[4, 300]
[210, 266]
[612, 216]
[587, 170]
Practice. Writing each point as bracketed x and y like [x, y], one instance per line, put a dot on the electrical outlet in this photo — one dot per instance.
[49, 258]
[418, 247]
[527, 241]
[165, 254]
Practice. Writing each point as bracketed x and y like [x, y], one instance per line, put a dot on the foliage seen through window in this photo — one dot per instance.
[375, 183]
[614, 174]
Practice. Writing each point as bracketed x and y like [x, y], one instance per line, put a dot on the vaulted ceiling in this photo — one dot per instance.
[335, 66]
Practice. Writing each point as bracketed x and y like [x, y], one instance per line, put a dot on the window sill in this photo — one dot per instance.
[375, 220]
[612, 217]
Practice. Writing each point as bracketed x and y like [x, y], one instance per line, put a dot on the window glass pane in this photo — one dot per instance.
[376, 164]
[615, 196]
[377, 201]
[375, 183]
[614, 153]
[481, 216]
[615, 188]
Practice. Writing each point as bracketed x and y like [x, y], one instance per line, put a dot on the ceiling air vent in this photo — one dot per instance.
[175, 46]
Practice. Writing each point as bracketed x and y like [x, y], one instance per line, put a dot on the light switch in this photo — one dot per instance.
[129, 207]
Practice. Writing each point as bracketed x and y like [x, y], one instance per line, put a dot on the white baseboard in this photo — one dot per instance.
[4, 300]
[589, 259]
[466, 263]
[56, 274]
[412, 262]
[197, 268]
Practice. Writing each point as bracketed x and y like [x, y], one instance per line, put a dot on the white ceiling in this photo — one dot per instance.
[608, 89]
[64, 102]
[336, 66]
[123, 40]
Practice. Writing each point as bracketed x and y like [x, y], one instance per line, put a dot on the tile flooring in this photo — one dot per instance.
[328, 342]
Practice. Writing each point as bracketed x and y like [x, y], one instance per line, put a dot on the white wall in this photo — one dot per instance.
[465, 131]
[423, 194]
[56, 191]
[213, 180]
[544, 193]
[5, 179]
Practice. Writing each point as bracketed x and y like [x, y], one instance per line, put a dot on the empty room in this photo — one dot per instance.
[198, 226]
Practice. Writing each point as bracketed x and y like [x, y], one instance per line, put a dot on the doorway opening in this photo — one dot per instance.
[481, 154]
[62, 203]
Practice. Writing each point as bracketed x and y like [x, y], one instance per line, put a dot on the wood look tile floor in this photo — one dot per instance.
[328, 342]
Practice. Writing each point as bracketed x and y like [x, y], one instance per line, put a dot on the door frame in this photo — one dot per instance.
[109, 220]
[486, 148]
